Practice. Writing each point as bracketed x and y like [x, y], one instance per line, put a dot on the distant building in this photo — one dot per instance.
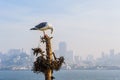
[62, 48]
[14, 51]
[62, 51]
[112, 52]
[77, 59]
[69, 57]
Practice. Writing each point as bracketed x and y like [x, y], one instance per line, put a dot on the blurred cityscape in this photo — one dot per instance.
[18, 59]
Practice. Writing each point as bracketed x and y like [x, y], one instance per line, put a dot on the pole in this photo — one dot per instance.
[48, 73]
[48, 62]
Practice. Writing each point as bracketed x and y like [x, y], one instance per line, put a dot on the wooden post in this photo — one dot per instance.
[48, 62]
[48, 73]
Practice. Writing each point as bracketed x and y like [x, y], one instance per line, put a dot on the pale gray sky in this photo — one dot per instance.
[87, 26]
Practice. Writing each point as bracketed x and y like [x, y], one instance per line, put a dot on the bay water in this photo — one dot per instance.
[63, 75]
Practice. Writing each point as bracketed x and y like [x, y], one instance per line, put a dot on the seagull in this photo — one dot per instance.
[43, 26]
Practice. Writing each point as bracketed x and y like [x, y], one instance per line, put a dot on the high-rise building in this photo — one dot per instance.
[62, 51]
[62, 48]
[112, 52]
[69, 57]
[77, 59]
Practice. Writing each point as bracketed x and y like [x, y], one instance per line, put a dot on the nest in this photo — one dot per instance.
[56, 64]
[41, 64]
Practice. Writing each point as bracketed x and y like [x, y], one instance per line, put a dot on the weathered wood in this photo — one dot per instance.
[47, 62]
[48, 73]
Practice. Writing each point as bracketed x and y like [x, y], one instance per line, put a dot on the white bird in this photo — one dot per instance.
[42, 27]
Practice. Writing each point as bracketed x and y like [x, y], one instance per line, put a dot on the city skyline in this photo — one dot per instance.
[63, 50]
[18, 59]
[88, 27]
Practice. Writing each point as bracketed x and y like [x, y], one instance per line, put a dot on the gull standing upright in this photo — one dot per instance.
[42, 27]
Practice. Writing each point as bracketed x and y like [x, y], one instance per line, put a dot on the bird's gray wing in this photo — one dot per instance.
[41, 25]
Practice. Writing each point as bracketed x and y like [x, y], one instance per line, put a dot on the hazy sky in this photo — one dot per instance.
[87, 26]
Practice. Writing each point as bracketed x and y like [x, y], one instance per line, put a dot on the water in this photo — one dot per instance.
[63, 75]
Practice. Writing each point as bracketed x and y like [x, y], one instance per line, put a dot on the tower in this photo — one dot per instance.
[62, 48]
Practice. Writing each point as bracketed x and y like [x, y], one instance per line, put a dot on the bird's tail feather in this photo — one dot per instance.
[33, 29]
